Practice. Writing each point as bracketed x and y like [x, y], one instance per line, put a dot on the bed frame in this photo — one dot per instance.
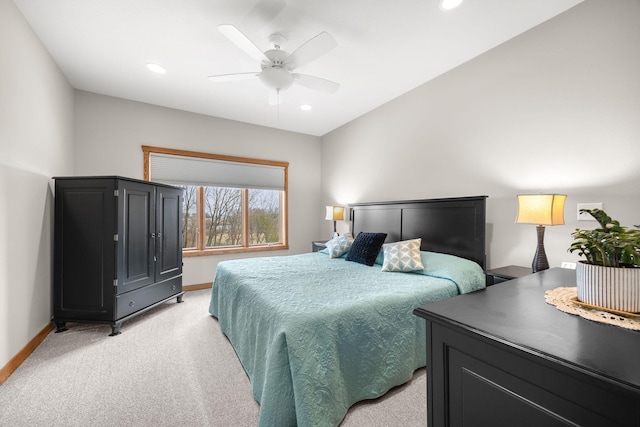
[454, 226]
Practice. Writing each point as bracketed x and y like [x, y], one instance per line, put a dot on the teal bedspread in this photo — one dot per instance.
[315, 334]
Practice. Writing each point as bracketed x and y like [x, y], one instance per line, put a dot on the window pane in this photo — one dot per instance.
[264, 217]
[189, 216]
[222, 217]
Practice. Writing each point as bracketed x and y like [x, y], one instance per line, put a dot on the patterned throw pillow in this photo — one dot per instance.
[338, 246]
[402, 256]
[365, 248]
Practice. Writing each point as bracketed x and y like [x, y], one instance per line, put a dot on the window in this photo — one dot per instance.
[230, 204]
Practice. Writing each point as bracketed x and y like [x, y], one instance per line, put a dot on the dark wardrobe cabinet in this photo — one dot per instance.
[117, 249]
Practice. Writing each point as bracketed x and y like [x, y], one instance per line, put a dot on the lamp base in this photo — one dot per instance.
[540, 258]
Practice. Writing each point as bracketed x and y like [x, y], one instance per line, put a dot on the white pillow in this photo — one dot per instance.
[402, 256]
[339, 246]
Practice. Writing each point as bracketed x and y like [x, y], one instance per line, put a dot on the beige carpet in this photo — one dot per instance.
[170, 367]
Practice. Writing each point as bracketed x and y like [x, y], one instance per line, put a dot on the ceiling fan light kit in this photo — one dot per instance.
[276, 78]
[278, 65]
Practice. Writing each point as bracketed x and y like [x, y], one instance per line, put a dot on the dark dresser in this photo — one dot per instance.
[504, 357]
[117, 249]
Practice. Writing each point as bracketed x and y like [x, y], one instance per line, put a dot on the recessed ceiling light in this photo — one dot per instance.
[156, 68]
[449, 4]
[305, 107]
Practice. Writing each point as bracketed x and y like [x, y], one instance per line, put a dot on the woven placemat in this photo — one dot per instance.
[562, 299]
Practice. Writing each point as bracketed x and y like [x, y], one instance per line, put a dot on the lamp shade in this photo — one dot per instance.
[335, 213]
[541, 209]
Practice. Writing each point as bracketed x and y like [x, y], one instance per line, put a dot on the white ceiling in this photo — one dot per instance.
[385, 48]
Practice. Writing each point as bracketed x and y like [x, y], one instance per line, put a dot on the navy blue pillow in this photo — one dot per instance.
[365, 248]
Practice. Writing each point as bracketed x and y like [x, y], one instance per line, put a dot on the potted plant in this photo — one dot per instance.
[609, 277]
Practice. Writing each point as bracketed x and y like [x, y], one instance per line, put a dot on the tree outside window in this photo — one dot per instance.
[264, 217]
[223, 217]
[222, 211]
[189, 217]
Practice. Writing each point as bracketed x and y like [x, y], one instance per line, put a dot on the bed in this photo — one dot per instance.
[316, 333]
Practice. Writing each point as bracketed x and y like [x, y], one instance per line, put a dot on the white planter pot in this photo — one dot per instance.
[609, 287]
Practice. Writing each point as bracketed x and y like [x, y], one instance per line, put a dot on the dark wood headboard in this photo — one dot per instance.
[453, 226]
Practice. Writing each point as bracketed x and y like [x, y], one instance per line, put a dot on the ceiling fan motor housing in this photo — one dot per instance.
[275, 75]
[277, 58]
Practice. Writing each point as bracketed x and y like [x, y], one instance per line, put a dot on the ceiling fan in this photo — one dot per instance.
[277, 65]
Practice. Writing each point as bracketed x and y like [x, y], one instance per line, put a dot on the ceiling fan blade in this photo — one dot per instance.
[312, 50]
[220, 78]
[316, 83]
[243, 42]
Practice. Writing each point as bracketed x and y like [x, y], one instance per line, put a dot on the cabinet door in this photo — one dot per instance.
[169, 233]
[84, 261]
[136, 235]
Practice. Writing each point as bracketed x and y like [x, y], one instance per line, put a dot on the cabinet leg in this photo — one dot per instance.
[61, 326]
[179, 298]
[115, 329]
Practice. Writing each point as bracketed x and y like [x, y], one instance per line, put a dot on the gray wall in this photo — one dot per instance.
[36, 142]
[110, 132]
[556, 109]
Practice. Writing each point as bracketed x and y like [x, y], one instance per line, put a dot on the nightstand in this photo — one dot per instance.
[318, 245]
[502, 274]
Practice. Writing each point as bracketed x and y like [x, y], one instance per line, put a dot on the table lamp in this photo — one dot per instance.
[541, 209]
[335, 213]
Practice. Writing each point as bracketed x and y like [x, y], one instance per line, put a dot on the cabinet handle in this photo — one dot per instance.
[159, 235]
[173, 288]
[153, 235]
[131, 304]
